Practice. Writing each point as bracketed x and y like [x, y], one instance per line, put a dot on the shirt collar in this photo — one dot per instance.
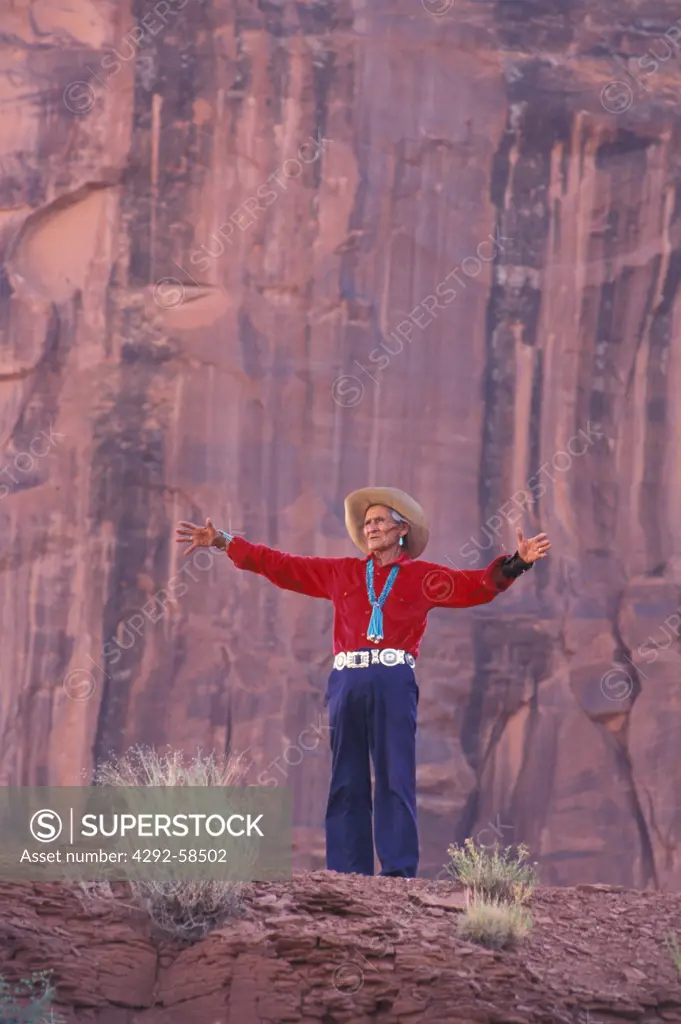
[402, 557]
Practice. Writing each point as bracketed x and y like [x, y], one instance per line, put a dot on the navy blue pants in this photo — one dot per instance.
[372, 712]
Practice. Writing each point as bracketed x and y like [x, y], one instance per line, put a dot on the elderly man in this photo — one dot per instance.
[381, 602]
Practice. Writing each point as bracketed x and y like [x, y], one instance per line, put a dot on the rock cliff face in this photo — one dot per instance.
[258, 254]
[342, 949]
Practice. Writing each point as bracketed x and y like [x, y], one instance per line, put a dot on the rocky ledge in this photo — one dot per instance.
[336, 948]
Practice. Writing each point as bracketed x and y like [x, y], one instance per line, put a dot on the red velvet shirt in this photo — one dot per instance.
[419, 586]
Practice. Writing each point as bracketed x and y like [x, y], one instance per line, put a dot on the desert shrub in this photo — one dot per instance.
[186, 909]
[143, 766]
[493, 873]
[494, 923]
[28, 1001]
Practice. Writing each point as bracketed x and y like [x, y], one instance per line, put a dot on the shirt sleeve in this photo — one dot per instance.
[459, 588]
[314, 577]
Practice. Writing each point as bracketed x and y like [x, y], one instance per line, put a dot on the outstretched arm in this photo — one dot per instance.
[447, 588]
[465, 588]
[314, 577]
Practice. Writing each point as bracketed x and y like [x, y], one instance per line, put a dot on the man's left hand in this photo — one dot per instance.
[532, 549]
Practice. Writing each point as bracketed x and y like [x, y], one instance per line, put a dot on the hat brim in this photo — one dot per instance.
[357, 503]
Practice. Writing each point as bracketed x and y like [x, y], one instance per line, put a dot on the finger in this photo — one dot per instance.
[209, 524]
[189, 550]
[183, 540]
[519, 534]
[189, 526]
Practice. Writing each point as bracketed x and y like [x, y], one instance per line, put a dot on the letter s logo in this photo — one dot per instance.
[46, 826]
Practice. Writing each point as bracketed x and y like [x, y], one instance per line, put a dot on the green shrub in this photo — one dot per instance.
[497, 875]
[28, 1001]
[493, 923]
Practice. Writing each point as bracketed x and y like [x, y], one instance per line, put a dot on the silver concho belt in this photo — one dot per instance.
[362, 659]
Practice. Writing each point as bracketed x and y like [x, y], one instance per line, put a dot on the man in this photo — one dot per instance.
[381, 603]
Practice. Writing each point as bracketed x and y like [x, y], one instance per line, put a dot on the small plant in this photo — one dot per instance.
[142, 766]
[494, 923]
[27, 1001]
[183, 909]
[186, 909]
[675, 951]
[497, 875]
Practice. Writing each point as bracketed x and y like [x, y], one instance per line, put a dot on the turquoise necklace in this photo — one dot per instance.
[375, 631]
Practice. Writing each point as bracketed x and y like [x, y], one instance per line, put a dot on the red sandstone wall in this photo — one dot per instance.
[144, 380]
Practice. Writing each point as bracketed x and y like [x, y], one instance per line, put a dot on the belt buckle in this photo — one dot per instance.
[389, 657]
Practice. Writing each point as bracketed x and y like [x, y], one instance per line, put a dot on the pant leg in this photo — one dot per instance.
[349, 839]
[392, 738]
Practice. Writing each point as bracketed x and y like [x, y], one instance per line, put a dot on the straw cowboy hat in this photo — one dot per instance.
[357, 503]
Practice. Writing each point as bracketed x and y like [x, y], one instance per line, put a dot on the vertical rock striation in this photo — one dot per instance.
[221, 228]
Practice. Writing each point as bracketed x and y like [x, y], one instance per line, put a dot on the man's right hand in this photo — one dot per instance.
[199, 536]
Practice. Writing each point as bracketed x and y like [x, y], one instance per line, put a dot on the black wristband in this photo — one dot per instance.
[514, 566]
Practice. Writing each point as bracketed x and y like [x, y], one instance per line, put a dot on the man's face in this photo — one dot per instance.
[380, 529]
